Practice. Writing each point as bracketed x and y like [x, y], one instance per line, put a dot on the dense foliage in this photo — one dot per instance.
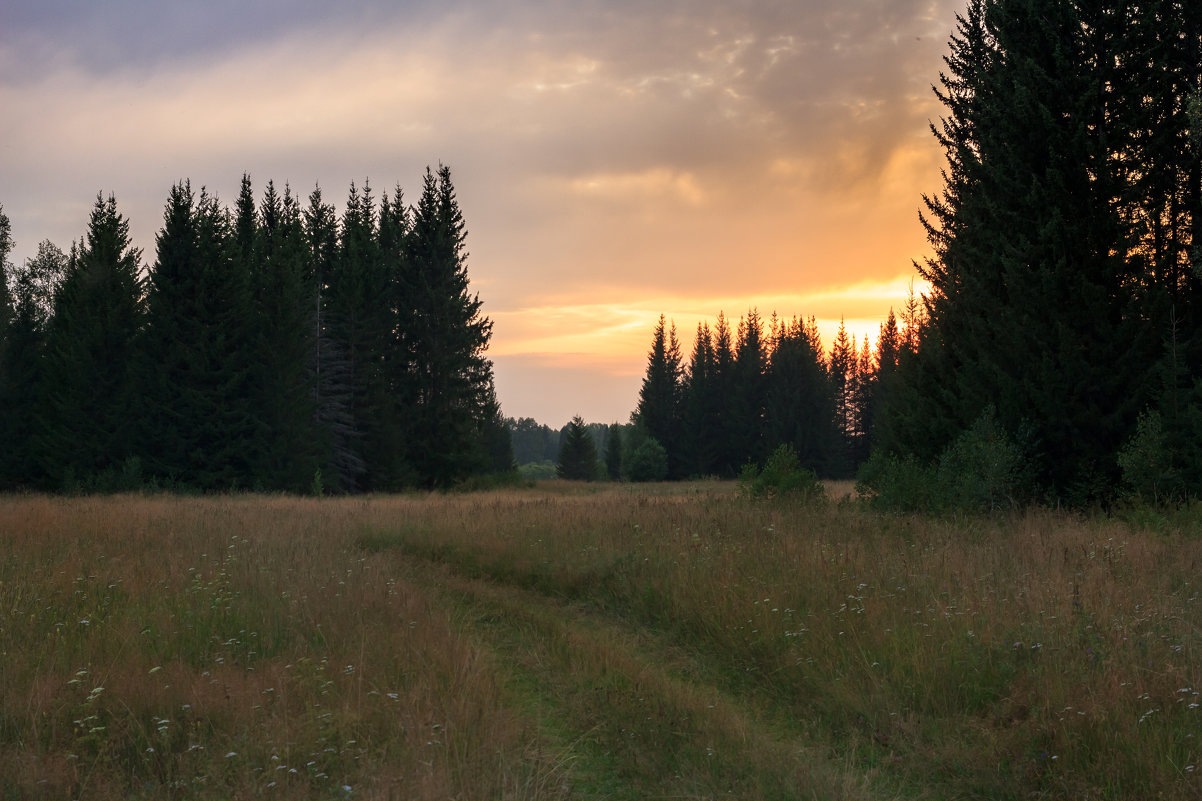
[275, 347]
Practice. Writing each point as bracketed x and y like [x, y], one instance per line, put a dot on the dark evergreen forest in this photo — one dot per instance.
[1056, 357]
[274, 346]
[1058, 353]
[744, 392]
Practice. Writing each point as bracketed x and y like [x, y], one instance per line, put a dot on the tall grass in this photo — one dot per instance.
[1034, 654]
[233, 648]
[425, 647]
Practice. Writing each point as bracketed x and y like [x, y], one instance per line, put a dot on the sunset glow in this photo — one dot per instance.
[614, 160]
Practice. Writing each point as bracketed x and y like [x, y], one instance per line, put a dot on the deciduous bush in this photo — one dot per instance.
[782, 476]
[983, 470]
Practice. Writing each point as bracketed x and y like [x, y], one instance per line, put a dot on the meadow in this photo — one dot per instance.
[576, 641]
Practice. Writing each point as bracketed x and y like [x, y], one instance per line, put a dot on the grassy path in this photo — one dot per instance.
[628, 713]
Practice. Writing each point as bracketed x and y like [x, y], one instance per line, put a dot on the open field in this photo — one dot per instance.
[588, 642]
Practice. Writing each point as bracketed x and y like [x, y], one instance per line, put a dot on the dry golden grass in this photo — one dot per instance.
[589, 641]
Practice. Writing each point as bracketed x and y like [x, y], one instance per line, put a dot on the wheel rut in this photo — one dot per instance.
[629, 712]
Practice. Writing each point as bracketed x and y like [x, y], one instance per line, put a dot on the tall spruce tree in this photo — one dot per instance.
[447, 336]
[729, 455]
[658, 411]
[747, 404]
[699, 407]
[1029, 311]
[286, 454]
[841, 373]
[613, 452]
[198, 347]
[578, 453]
[340, 462]
[866, 386]
[799, 405]
[889, 346]
[397, 373]
[88, 428]
[360, 318]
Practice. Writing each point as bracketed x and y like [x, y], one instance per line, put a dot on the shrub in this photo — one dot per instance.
[898, 484]
[983, 470]
[1146, 462]
[647, 462]
[504, 479]
[782, 476]
[536, 471]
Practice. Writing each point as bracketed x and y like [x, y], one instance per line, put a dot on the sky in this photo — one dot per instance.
[614, 159]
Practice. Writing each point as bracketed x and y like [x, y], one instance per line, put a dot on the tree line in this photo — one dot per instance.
[578, 450]
[748, 389]
[1058, 353]
[274, 346]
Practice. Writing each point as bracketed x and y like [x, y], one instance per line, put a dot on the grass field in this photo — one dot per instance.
[589, 642]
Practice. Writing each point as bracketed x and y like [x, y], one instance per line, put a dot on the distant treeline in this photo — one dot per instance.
[535, 442]
[274, 346]
[1058, 354]
[744, 392]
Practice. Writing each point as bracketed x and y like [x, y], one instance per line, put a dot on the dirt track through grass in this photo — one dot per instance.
[629, 712]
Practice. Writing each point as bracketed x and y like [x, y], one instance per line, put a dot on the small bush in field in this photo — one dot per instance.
[982, 471]
[898, 484]
[782, 476]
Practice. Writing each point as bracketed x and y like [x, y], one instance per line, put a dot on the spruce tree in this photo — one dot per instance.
[658, 411]
[1030, 311]
[613, 452]
[841, 372]
[88, 428]
[867, 383]
[340, 460]
[700, 406]
[286, 455]
[361, 320]
[747, 405]
[446, 337]
[198, 348]
[729, 456]
[799, 404]
[889, 346]
[577, 454]
[397, 373]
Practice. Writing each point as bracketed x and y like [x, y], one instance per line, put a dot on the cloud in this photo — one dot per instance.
[608, 153]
